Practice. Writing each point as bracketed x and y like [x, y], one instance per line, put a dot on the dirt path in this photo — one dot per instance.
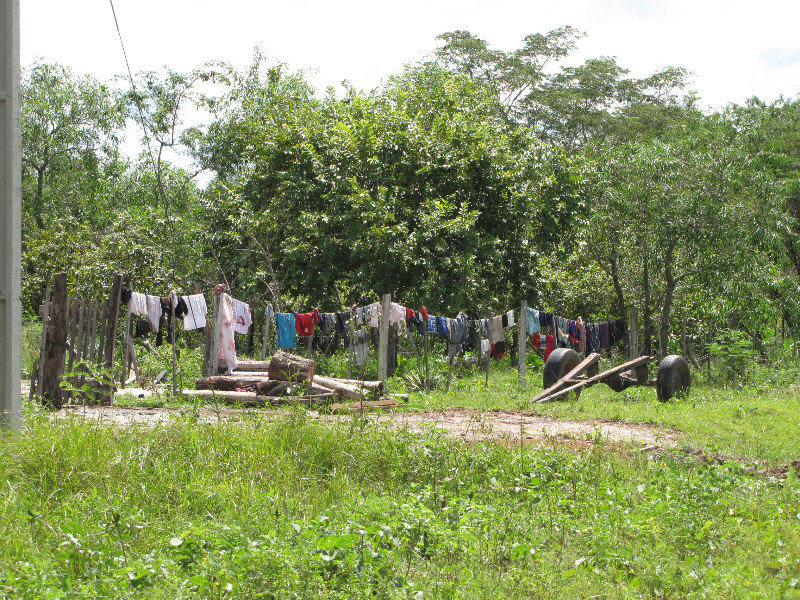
[466, 424]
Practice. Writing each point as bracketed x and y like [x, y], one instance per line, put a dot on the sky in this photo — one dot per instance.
[734, 49]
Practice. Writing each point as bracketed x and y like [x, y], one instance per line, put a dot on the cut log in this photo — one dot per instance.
[228, 383]
[343, 390]
[351, 407]
[221, 395]
[288, 367]
[373, 386]
[252, 365]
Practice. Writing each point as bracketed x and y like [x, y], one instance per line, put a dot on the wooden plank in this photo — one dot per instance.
[101, 334]
[126, 356]
[565, 379]
[45, 321]
[55, 348]
[251, 331]
[523, 334]
[72, 325]
[93, 330]
[596, 378]
[383, 343]
[264, 342]
[111, 320]
[134, 361]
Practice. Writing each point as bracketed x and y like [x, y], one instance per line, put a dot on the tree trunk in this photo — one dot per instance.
[669, 291]
[647, 333]
[288, 367]
[55, 345]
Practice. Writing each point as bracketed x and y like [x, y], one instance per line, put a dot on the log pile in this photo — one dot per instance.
[287, 379]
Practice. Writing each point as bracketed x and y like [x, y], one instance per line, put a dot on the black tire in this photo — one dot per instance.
[674, 379]
[560, 362]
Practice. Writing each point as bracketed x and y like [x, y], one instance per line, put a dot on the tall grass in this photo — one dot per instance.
[293, 508]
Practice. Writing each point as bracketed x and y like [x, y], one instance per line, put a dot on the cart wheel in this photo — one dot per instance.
[673, 379]
[560, 362]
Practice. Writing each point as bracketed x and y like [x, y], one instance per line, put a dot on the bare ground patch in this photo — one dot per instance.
[466, 424]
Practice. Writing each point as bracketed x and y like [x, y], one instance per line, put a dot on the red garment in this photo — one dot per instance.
[409, 313]
[424, 313]
[315, 313]
[304, 324]
[498, 350]
[549, 348]
[536, 340]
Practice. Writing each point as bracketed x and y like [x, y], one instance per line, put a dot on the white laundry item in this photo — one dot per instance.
[510, 317]
[227, 345]
[196, 317]
[138, 304]
[241, 316]
[485, 348]
[154, 310]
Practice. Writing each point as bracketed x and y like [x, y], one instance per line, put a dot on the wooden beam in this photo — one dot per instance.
[565, 379]
[597, 378]
[523, 334]
[383, 343]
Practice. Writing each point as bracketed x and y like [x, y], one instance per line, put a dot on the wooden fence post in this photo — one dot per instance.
[523, 334]
[633, 333]
[490, 316]
[269, 314]
[112, 316]
[56, 344]
[172, 298]
[383, 340]
[45, 321]
[427, 366]
[351, 337]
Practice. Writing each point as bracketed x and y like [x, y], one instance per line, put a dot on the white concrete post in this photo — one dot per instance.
[10, 209]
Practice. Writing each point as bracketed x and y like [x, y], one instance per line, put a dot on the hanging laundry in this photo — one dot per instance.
[360, 347]
[304, 324]
[484, 325]
[486, 348]
[138, 304]
[153, 311]
[372, 313]
[285, 323]
[457, 334]
[327, 322]
[181, 308]
[409, 314]
[433, 326]
[581, 335]
[441, 326]
[342, 325]
[562, 332]
[196, 315]
[504, 320]
[424, 312]
[605, 336]
[125, 295]
[420, 321]
[166, 319]
[574, 332]
[498, 349]
[496, 333]
[142, 328]
[510, 319]
[618, 330]
[532, 321]
[241, 316]
[545, 319]
[227, 345]
[548, 348]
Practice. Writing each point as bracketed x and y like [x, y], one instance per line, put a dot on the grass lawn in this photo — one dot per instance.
[297, 509]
